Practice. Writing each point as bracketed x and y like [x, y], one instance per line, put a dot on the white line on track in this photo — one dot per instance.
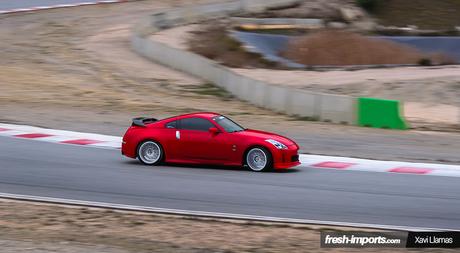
[209, 214]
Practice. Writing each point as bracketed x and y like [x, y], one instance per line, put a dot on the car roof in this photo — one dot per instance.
[201, 114]
[207, 115]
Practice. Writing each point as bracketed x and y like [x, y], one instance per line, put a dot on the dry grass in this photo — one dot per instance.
[426, 14]
[334, 47]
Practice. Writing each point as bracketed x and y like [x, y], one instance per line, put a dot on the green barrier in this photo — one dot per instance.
[380, 113]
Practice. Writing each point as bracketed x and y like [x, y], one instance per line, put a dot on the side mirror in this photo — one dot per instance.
[213, 130]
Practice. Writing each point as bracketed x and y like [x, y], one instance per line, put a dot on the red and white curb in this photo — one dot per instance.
[397, 167]
[38, 8]
[60, 136]
[309, 161]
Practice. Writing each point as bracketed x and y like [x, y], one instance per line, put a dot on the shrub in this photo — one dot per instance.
[368, 5]
[425, 62]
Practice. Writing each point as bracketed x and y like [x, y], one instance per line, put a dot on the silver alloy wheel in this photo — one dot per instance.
[149, 152]
[256, 159]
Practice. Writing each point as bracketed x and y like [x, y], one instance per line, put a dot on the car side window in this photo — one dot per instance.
[172, 124]
[199, 124]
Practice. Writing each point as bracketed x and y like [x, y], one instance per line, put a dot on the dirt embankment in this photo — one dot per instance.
[75, 65]
[425, 14]
[335, 47]
[41, 228]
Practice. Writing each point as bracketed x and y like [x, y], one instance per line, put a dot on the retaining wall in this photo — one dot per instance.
[291, 101]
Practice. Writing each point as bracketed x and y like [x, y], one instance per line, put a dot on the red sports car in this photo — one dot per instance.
[207, 138]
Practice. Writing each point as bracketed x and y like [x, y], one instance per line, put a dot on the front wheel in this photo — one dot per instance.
[259, 159]
[150, 153]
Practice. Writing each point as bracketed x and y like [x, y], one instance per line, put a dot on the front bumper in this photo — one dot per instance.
[286, 158]
[280, 166]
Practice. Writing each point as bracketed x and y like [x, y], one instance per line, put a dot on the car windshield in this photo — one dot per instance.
[228, 124]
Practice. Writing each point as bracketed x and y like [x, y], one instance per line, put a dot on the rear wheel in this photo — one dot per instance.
[150, 153]
[259, 159]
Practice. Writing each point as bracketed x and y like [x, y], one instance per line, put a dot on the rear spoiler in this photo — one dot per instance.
[141, 121]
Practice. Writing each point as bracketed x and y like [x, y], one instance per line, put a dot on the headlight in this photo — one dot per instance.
[277, 144]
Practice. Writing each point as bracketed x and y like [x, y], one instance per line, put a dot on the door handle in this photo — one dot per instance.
[177, 135]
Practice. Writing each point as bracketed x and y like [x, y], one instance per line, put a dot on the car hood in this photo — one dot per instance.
[266, 135]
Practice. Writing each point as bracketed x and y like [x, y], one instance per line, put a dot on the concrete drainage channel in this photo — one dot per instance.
[315, 106]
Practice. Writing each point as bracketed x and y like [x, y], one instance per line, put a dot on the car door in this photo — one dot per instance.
[170, 141]
[225, 148]
[197, 143]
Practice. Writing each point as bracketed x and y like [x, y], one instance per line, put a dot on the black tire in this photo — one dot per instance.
[150, 152]
[254, 156]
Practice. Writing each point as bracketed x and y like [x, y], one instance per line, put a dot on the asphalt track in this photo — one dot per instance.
[92, 174]
[19, 4]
